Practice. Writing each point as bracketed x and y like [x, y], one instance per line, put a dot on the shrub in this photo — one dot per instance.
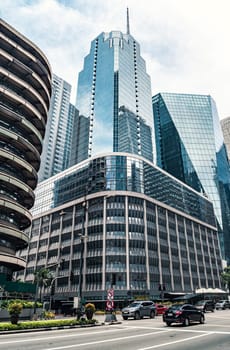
[15, 308]
[26, 304]
[49, 315]
[90, 306]
[45, 324]
[100, 312]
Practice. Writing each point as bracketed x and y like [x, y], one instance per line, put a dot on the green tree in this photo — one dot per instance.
[42, 279]
[225, 275]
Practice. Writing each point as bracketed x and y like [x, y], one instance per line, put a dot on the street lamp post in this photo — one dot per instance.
[1, 295]
[51, 286]
[60, 264]
[83, 237]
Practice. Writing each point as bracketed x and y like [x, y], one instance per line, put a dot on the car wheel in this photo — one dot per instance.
[137, 316]
[152, 314]
[186, 322]
[168, 324]
[202, 319]
[125, 318]
[212, 310]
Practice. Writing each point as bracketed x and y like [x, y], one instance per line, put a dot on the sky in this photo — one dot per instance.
[185, 43]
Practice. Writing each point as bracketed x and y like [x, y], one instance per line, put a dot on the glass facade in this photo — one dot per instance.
[189, 145]
[114, 99]
[57, 142]
[225, 125]
[121, 172]
[141, 228]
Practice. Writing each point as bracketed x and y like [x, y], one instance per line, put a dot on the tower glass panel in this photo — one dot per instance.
[114, 97]
[190, 146]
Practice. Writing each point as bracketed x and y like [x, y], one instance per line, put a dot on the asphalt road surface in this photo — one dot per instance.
[143, 334]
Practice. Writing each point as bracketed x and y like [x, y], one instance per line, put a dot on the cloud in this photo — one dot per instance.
[184, 43]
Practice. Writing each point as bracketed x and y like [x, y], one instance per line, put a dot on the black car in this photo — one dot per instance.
[184, 314]
[205, 305]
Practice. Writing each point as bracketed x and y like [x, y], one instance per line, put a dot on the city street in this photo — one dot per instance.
[129, 335]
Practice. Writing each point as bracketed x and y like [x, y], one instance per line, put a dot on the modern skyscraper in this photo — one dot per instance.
[114, 97]
[190, 146]
[25, 89]
[116, 219]
[57, 142]
[225, 124]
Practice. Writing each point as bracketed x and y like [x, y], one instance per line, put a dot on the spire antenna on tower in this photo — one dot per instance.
[128, 29]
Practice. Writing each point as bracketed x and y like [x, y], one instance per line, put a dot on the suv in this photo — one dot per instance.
[184, 314]
[205, 305]
[222, 304]
[139, 309]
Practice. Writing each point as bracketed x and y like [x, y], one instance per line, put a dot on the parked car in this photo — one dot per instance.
[184, 314]
[160, 309]
[139, 309]
[205, 305]
[223, 304]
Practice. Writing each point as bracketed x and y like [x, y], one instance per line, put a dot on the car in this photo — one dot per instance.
[138, 309]
[184, 314]
[222, 304]
[160, 309]
[205, 305]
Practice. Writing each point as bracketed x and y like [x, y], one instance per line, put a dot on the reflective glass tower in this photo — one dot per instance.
[225, 124]
[57, 142]
[190, 146]
[114, 98]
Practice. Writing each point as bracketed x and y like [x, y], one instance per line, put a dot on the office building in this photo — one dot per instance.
[225, 125]
[25, 89]
[190, 146]
[57, 142]
[117, 220]
[114, 98]
[114, 219]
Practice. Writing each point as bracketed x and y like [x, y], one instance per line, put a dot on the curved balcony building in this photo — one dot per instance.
[25, 90]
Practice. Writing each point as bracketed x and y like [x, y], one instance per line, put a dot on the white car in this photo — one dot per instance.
[223, 304]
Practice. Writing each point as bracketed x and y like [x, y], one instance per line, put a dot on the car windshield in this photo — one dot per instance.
[200, 302]
[134, 304]
[176, 307]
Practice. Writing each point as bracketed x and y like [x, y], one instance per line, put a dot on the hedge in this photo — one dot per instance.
[6, 326]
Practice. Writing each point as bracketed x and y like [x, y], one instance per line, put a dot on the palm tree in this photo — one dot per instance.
[42, 279]
[225, 275]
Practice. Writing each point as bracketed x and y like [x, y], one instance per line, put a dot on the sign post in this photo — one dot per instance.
[110, 316]
[110, 300]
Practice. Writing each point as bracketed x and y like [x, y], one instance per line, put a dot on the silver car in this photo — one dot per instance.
[139, 309]
[222, 304]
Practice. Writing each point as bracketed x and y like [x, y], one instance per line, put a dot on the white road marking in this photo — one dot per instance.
[154, 329]
[55, 336]
[97, 342]
[173, 342]
[186, 330]
[75, 335]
